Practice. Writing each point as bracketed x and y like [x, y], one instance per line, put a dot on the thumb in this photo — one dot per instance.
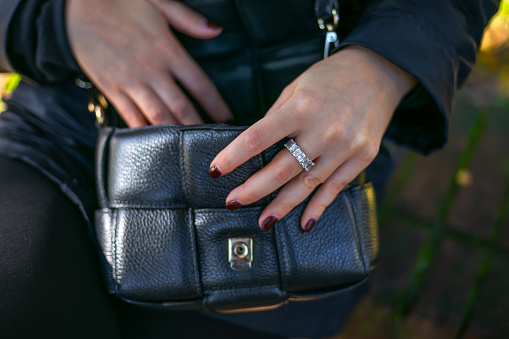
[186, 20]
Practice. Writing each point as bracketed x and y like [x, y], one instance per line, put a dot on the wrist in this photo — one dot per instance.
[382, 72]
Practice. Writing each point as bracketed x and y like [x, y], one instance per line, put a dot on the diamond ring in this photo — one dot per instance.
[305, 162]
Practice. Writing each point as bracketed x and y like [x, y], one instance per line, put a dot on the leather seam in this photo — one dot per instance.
[115, 256]
[283, 266]
[192, 232]
[351, 212]
[246, 288]
[125, 205]
[185, 184]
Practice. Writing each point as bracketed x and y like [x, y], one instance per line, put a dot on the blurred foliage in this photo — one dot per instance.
[494, 52]
[8, 82]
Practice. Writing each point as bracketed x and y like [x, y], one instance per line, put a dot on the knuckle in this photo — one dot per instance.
[306, 103]
[253, 141]
[284, 207]
[283, 174]
[334, 187]
[181, 109]
[248, 196]
[319, 206]
[156, 113]
[360, 141]
[336, 133]
[369, 153]
[311, 181]
[163, 47]
[130, 115]
[201, 85]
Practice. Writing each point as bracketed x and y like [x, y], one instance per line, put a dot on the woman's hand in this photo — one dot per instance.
[337, 112]
[127, 49]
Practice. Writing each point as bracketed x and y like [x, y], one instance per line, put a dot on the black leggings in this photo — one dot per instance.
[50, 283]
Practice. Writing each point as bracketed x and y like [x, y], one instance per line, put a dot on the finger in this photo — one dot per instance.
[149, 103]
[199, 85]
[263, 134]
[278, 172]
[178, 109]
[299, 188]
[179, 106]
[186, 20]
[328, 191]
[128, 111]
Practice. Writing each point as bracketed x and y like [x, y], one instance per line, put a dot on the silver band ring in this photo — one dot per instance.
[305, 162]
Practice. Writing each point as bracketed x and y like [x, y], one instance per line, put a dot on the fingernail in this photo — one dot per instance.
[234, 205]
[214, 172]
[212, 25]
[268, 223]
[310, 224]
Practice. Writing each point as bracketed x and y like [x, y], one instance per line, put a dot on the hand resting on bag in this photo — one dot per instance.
[337, 112]
[129, 52]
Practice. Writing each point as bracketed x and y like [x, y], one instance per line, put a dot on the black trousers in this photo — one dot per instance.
[50, 283]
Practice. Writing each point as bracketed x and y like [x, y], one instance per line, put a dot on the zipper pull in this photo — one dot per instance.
[330, 25]
[331, 38]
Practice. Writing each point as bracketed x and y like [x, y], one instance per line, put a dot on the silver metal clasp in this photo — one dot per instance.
[240, 253]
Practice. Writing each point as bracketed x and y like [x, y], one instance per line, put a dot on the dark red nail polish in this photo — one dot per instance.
[234, 205]
[268, 223]
[214, 172]
[228, 121]
[310, 224]
[212, 25]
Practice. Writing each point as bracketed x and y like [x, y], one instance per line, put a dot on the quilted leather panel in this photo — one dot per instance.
[213, 229]
[145, 172]
[153, 255]
[201, 190]
[326, 257]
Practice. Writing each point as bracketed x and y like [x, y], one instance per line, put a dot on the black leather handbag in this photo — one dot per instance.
[168, 241]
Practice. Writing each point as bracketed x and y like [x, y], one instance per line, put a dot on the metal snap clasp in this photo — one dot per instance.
[240, 253]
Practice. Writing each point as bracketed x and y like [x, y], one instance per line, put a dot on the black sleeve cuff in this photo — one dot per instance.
[435, 43]
[400, 38]
[37, 45]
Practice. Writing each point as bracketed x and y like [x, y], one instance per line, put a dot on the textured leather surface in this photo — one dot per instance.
[163, 228]
[329, 254]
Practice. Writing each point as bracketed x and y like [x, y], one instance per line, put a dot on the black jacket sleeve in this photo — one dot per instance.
[33, 40]
[434, 40]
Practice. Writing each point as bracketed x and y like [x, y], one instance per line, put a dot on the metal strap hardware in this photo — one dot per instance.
[97, 103]
[328, 19]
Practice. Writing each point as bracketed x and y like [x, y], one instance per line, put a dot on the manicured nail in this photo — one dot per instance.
[310, 224]
[214, 172]
[268, 223]
[234, 205]
[212, 25]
